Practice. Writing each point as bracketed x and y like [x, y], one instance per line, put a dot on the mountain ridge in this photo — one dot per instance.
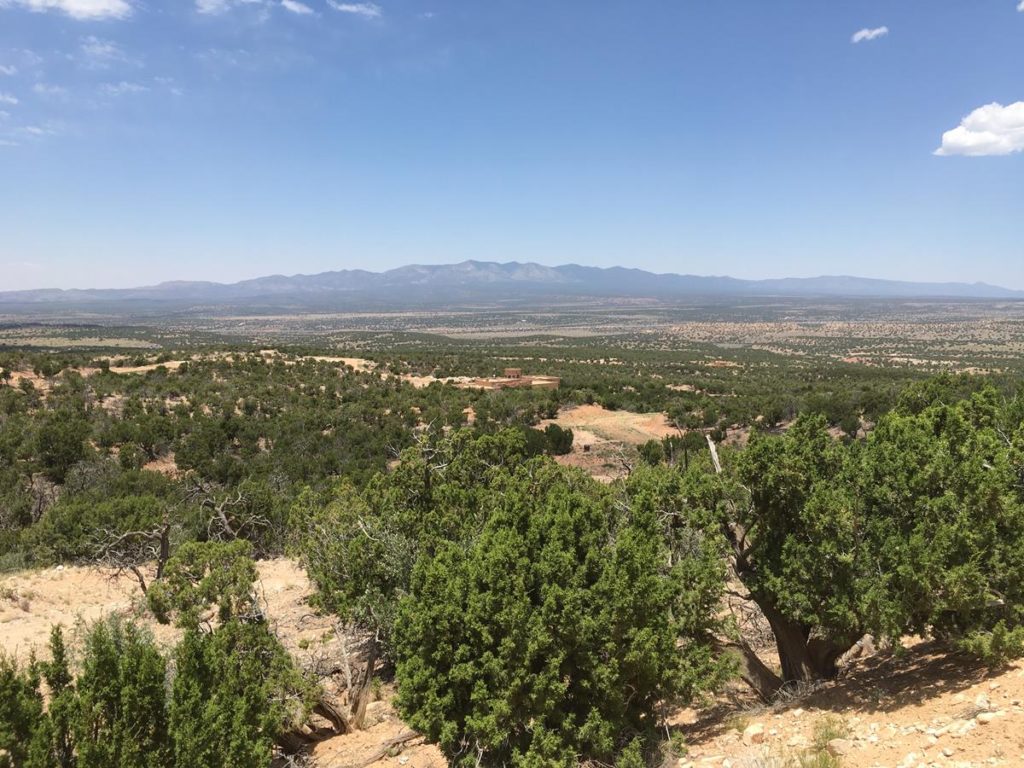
[471, 280]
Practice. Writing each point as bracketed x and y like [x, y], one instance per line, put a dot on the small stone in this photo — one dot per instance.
[964, 728]
[982, 702]
[986, 717]
[948, 752]
[839, 747]
[753, 734]
[797, 712]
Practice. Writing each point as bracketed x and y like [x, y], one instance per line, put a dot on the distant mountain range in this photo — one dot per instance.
[473, 281]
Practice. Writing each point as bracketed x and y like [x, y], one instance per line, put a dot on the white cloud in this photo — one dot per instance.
[97, 53]
[24, 133]
[6, 98]
[50, 91]
[122, 88]
[8, 70]
[4, 115]
[214, 7]
[77, 9]
[296, 7]
[366, 10]
[989, 130]
[1020, 6]
[869, 34]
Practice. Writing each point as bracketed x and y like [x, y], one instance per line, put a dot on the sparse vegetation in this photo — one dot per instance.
[450, 535]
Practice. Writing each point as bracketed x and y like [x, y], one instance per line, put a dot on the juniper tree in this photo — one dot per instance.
[918, 529]
[236, 691]
[121, 714]
[561, 628]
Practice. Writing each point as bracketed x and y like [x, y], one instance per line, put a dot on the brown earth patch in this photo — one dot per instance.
[623, 427]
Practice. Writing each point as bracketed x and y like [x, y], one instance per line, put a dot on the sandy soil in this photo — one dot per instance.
[383, 725]
[41, 383]
[31, 602]
[614, 426]
[170, 365]
[926, 708]
[165, 465]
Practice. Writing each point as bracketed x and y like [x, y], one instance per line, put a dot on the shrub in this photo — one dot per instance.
[235, 693]
[559, 440]
[121, 718]
[516, 648]
[21, 711]
[997, 647]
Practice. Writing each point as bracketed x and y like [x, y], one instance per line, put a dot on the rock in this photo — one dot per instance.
[909, 760]
[982, 702]
[839, 747]
[797, 712]
[962, 728]
[753, 734]
[986, 717]
[948, 752]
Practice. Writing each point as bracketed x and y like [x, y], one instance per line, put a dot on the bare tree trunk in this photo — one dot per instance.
[165, 550]
[791, 641]
[361, 694]
[138, 575]
[753, 671]
[337, 718]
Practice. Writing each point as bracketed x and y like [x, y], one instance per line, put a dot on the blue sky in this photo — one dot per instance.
[143, 141]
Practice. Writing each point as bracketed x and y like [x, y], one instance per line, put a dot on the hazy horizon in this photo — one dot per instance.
[290, 275]
[225, 140]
